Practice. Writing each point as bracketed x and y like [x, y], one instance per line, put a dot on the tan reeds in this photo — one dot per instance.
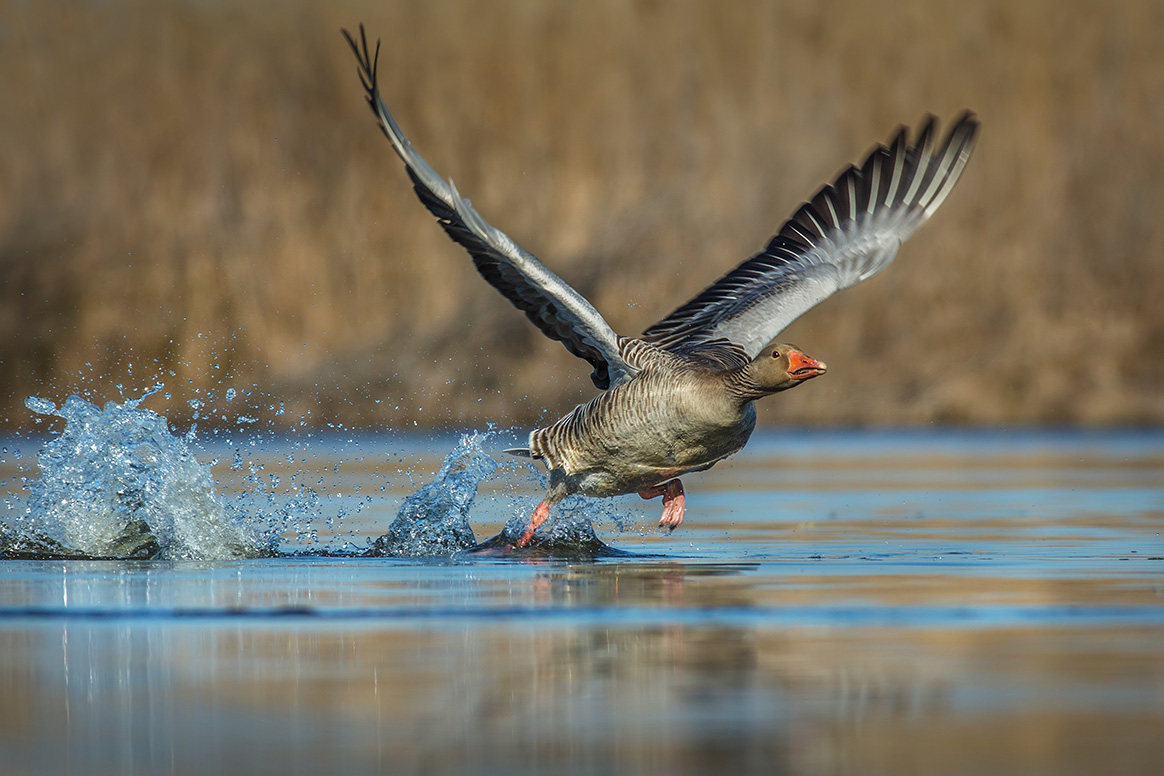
[197, 188]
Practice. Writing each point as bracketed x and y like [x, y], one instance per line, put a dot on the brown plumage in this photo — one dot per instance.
[680, 397]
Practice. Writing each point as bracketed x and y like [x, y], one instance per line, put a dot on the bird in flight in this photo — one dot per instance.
[680, 397]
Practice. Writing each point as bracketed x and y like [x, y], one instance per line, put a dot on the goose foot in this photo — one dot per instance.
[539, 516]
[673, 502]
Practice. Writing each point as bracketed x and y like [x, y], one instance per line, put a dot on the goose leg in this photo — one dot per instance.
[539, 516]
[673, 502]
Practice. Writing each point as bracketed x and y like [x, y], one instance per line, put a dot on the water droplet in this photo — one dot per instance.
[40, 406]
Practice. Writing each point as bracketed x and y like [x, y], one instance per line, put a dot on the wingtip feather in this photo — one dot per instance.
[848, 231]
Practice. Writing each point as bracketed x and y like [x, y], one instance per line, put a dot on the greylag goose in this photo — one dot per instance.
[681, 396]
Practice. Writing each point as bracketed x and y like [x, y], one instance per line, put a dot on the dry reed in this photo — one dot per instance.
[194, 192]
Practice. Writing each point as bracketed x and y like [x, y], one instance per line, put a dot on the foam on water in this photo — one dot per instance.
[117, 483]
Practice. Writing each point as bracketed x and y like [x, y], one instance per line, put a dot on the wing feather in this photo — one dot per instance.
[553, 306]
[847, 232]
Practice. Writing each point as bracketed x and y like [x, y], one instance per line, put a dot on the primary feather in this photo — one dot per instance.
[848, 232]
[554, 307]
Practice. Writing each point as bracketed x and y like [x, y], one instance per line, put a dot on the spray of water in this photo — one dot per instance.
[568, 535]
[117, 483]
[434, 521]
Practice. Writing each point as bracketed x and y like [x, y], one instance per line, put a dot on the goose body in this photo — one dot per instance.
[670, 419]
[681, 396]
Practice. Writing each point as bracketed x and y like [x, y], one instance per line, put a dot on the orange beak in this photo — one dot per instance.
[801, 367]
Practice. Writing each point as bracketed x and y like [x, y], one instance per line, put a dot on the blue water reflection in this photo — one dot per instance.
[864, 602]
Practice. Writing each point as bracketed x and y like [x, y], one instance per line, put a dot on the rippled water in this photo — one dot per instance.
[864, 602]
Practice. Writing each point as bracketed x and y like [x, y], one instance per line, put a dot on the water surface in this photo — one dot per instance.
[837, 602]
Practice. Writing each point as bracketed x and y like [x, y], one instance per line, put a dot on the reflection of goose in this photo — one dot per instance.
[679, 397]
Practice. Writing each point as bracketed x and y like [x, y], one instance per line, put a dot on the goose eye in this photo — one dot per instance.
[775, 354]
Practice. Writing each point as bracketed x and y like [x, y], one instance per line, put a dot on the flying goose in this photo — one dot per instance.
[681, 396]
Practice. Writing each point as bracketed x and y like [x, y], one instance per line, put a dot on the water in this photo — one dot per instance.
[117, 483]
[435, 521]
[836, 602]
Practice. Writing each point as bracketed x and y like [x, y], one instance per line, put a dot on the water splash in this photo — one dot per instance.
[434, 521]
[568, 535]
[116, 483]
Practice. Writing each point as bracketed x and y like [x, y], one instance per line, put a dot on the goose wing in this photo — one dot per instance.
[848, 232]
[553, 306]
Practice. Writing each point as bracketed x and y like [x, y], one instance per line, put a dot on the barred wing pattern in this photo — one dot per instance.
[553, 306]
[848, 232]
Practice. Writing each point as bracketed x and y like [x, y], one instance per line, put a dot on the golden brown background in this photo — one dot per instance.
[195, 192]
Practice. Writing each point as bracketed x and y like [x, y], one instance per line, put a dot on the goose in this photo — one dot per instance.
[680, 397]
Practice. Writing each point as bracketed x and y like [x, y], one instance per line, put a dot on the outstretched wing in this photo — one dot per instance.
[554, 307]
[848, 232]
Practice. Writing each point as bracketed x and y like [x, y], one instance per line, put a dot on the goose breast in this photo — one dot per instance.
[662, 424]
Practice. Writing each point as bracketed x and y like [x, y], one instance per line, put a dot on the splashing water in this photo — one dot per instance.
[434, 521]
[568, 535]
[116, 483]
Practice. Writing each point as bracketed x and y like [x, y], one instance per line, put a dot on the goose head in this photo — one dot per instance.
[779, 367]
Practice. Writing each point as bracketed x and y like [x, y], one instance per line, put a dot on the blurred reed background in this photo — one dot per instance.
[195, 192]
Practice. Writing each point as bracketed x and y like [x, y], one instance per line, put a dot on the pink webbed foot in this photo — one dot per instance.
[673, 502]
[539, 516]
